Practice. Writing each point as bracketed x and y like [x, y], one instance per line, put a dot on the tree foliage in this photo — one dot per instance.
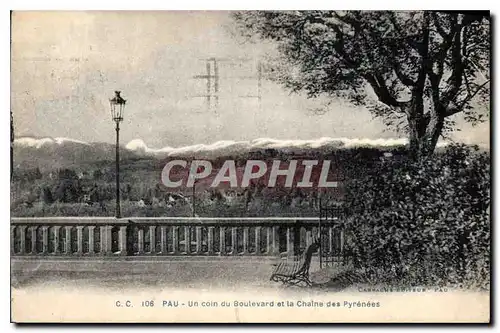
[414, 69]
[426, 222]
[47, 197]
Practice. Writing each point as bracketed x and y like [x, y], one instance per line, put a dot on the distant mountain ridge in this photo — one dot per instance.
[221, 148]
[50, 153]
[38, 143]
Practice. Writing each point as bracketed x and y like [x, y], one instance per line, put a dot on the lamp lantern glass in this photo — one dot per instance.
[117, 104]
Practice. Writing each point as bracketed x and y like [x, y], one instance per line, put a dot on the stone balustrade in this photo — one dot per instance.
[171, 236]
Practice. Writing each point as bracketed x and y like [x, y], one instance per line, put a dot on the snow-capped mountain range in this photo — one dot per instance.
[223, 147]
[38, 143]
[57, 152]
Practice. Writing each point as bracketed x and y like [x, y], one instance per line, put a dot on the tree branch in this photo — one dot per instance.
[425, 67]
[459, 108]
[467, 84]
[401, 76]
[380, 89]
[455, 80]
[345, 20]
[439, 27]
[447, 38]
[439, 60]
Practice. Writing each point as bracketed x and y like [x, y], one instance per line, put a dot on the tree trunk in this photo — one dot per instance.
[424, 128]
[432, 134]
[424, 132]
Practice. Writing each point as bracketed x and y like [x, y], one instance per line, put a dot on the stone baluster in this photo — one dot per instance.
[187, 239]
[45, 239]
[67, 243]
[245, 240]
[122, 240]
[22, 236]
[210, 240]
[175, 239]
[57, 250]
[234, 243]
[12, 239]
[91, 239]
[289, 241]
[269, 240]
[222, 240]
[257, 240]
[104, 241]
[79, 238]
[163, 239]
[140, 240]
[109, 239]
[199, 242]
[33, 240]
[152, 239]
[272, 241]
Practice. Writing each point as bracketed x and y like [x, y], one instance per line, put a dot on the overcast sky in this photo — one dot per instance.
[66, 65]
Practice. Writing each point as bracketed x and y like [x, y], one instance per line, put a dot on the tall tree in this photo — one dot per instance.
[414, 69]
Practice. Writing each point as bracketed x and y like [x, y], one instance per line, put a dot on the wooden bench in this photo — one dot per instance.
[295, 272]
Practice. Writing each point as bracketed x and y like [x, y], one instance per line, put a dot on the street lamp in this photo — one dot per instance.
[117, 104]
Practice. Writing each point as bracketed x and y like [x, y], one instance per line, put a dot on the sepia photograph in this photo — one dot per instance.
[252, 166]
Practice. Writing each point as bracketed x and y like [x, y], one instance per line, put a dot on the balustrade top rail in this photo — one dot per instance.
[68, 220]
[229, 221]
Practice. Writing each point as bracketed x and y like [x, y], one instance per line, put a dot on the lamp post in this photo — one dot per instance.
[117, 104]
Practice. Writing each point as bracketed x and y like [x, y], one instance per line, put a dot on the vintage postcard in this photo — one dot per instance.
[250, 167]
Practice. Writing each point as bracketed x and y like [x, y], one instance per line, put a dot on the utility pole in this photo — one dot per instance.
[212, 77]
[258, 95]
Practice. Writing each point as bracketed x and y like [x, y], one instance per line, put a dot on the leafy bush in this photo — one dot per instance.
[423, 222]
